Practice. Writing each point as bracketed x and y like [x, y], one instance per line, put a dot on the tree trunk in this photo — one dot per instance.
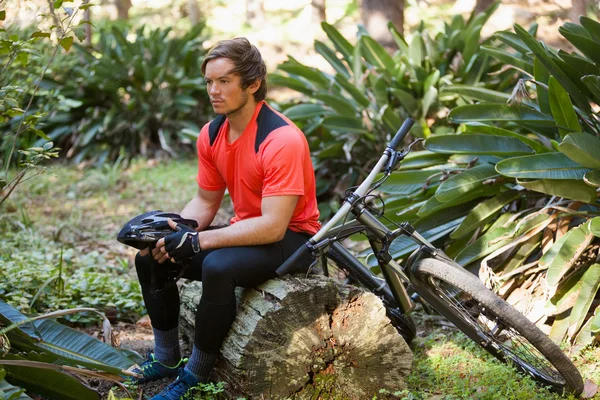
[376, 14]
[123, 7]
[306, 337]
[55, 19]
[255, 13]
[578, 7]
[194, 11]
[482, 5]
[87, 16]
[319, 14]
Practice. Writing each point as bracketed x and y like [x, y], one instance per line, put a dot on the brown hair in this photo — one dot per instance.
[248, 62]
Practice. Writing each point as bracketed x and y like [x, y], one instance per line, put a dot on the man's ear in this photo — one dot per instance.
[254, 86]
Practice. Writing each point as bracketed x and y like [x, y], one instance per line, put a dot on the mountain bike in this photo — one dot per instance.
[450, 289]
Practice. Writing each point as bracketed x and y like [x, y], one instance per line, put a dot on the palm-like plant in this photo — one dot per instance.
[516, 195]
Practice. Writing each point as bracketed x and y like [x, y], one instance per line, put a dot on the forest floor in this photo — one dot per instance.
[83, 209]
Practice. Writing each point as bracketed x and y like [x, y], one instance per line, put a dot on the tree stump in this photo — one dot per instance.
[298, 337]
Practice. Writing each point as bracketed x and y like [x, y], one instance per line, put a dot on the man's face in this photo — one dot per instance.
[224, 88]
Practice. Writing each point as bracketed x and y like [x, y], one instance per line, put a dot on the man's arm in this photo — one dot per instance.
[270, 227]
[203, 207]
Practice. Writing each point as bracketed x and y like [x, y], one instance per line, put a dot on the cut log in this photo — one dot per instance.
[298, 337]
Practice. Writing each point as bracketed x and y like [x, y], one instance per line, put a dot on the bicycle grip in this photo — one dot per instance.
[301, 257]
[403, 131]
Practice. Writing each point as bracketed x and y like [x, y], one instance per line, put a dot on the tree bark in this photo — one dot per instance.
[319, 13]
[123, 7]
[193, 11]
[482, 5]
[376, 14]
[87, 16]
[578, 7]
[303, 337]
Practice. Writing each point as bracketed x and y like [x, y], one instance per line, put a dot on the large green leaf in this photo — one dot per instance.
[547, 60]
[542, 76]
[352, 90]
[487, 112]
[465, 182]
[339, 41]
[311, 74]
[292, 83]
[304, 111]
[433, 204]
[483, 212]
[10, 315]
[344, 124]
[562, 108]
[512, 40]
[565, 297]
[340, 104]
[592, 178]
[478, 127]
[592, 26]
[422, 159]
[582, 148]
[8, 391]
[567, 188]
[592, 82]
[477, 93]
[541, 166]
[50, 383]
[406, 183]
[583, 43]
[77, 348]
[516, 60]
[498, 236]
[589, 288]
[375, 54]
[564, 253]
[500, 146]
[595, 226]
[329, 55]
[406, 99]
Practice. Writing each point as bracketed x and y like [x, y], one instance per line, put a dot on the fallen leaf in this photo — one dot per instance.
[589, 389]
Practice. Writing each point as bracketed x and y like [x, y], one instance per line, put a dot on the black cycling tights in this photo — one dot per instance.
[220, 271]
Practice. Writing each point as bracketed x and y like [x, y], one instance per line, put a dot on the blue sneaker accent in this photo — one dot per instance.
[152, 369]
[180, 388]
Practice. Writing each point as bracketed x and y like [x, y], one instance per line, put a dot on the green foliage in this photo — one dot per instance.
[515, 194]
[28, 55]
[39, 276]
[136, 92]
[37, 352]
[350, 113]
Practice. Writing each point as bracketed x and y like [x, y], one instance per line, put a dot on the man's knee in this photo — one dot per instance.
[144, 266]
[215, 268]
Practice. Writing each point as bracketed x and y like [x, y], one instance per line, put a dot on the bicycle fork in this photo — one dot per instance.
[380, 239]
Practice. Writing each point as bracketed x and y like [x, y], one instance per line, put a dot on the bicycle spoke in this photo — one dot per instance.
[505, 340]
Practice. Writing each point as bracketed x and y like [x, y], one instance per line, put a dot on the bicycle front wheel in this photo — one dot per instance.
[495, 325]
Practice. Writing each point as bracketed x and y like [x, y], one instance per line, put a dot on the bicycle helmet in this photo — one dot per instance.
[146, 229]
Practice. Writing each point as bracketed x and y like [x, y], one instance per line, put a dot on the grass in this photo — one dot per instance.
[64, 223]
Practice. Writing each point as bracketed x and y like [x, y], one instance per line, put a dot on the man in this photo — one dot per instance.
[263, 160]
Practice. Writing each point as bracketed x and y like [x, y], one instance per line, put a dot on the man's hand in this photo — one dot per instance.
[181, 244]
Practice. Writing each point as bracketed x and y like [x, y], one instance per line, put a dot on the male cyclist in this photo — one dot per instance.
[263, 160]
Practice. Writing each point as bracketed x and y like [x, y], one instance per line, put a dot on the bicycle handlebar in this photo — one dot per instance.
[304, 253]
[403, 131]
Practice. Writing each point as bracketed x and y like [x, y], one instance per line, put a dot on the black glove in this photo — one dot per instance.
[183, 243]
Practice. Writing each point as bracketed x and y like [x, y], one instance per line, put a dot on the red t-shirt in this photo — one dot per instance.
[270, 158]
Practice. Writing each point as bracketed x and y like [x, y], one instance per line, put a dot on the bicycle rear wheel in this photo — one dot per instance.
[358, 275]
[495, 325]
